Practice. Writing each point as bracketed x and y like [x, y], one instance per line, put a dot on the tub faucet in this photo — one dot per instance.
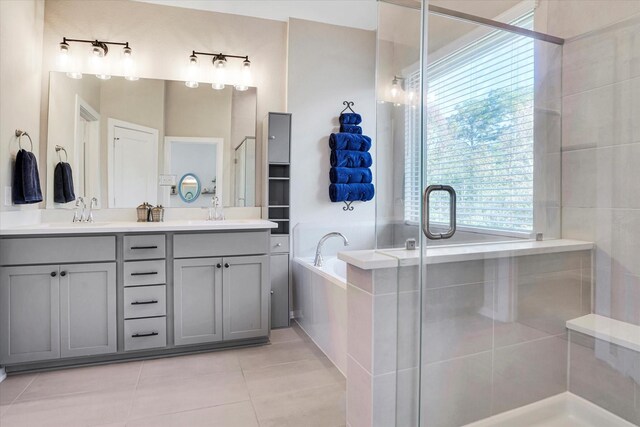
[317, 262]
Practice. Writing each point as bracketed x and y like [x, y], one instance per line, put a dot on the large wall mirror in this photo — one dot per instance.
[129, 142]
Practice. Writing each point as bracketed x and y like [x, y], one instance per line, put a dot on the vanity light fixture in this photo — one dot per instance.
[220, 65]
[396, 89]
[192, 73]
[98, 61]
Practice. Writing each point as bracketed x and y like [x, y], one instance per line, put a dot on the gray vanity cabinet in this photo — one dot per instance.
[87, 309]
[197, 297]
[246, 297]
[29, 314]
[279, 133]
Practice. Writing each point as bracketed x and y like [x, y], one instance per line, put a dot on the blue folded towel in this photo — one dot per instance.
[351, 129]
[63, 183]
[350, 119]
[349, 141]
[350, 175]
[350, 159]
[25, 188]
[351, 192]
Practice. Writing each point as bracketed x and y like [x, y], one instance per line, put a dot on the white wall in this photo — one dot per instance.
[21, 28]
[327, 65]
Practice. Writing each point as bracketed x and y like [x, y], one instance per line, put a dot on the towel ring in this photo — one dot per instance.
[348, 104]
[20, 134]
[60, 148]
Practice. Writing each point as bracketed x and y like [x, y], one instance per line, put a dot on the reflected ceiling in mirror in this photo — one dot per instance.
[117, 135]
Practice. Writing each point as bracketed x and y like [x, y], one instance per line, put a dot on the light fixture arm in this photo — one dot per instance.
[220, 55]
[99, 43]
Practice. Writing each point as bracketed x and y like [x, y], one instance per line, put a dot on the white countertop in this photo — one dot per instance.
[606, 329]
[388, 258]
[136, 227]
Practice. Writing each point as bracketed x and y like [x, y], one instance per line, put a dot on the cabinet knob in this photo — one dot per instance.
[219, 265]
[271, 137]
[271, 292]
[226, 265]
[278, 245]
[63, 273]
[54, 274]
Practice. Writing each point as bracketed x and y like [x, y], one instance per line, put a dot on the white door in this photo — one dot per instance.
[134, 168]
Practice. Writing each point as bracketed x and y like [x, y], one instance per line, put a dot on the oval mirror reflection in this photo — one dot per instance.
[189, 188]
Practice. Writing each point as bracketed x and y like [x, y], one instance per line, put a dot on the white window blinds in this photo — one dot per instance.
[478, 135]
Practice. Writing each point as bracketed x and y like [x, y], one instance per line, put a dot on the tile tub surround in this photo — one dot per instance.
[293, 384]
[494, 334]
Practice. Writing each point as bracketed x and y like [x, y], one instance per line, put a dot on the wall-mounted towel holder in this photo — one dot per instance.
[60, 148]
[348, 104]
[20, 134]
[347, 206]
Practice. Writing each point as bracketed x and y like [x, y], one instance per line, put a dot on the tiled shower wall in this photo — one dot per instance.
[601, 201]
[493, 337]
[601, 159]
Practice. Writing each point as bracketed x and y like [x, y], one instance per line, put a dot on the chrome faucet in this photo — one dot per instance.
[94, 203]
[317, 262]
[76, 217]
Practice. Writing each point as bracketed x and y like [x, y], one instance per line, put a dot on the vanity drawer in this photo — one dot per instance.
[55, 250]
[220, 244]
[145, 273]
[145, 333]
[279, 244]
[145, 301]
[144, 247]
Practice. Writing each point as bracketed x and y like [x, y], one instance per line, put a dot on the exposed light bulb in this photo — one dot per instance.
[395, 87]
[245, 76]
[192, 73]
[219, 66]
[98, 62]
[128, 65]
[64, 56]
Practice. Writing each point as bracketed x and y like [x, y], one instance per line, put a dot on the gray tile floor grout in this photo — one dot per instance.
[287, 383]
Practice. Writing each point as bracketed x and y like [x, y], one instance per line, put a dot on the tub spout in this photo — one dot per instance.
[317, 262]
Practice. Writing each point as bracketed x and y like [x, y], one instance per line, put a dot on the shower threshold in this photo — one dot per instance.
[562, 410]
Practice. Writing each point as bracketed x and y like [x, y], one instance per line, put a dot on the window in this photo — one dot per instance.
[479, 134]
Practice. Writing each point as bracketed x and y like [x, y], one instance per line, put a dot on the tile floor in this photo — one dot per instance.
[287, 383]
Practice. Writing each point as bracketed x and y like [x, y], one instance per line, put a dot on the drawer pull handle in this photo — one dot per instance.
[278, 245]
[133, 248]
[147, 273]
[153, 301]
[148, 334]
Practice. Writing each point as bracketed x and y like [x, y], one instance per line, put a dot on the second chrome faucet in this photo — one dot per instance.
[317, 262]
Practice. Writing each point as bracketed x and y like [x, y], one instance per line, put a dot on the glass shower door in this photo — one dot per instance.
[491, 321]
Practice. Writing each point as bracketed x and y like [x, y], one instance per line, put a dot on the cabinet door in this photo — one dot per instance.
[197, 299]
[246, 297]
[87, 309]
[279, 137]
[29, 314]
[280, 291]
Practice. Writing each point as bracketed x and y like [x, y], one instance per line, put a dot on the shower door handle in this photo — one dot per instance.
[452, 212]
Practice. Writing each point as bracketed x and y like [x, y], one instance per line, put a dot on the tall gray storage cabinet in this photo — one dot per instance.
[277, 148]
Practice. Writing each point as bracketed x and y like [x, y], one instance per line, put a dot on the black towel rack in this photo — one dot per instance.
[20, 134]
[348, 104]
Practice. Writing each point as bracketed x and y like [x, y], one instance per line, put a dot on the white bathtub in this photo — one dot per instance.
[320, 296]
